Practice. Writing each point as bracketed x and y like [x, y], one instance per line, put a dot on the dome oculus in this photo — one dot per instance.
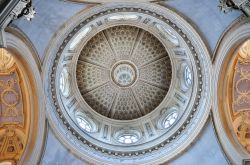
[124, 74]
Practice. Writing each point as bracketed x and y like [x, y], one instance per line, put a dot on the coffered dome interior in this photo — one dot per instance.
[123, 72]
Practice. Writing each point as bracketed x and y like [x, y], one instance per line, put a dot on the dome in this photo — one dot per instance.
[127, 80]
[123, 72]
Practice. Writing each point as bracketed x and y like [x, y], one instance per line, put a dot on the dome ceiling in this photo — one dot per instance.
[123, 72]
[128, 79]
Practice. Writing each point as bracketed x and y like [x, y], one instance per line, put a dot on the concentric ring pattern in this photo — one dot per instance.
[123, 72]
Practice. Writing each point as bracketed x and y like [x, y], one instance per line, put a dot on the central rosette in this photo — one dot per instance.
[124, 74]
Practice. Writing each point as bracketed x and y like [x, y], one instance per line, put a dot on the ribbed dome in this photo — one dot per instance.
[123, 72]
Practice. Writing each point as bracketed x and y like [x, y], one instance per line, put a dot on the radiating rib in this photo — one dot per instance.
[122, 39]
[153, 60]
[149, 48]
[137, 41]
[91, 62]
[98, 51]
[101, 98]
[111, 111]
[155, 85]
[126, 107]
[142, 111]
[95, 87]
[157, 73]
[105, 33]
[148, 96]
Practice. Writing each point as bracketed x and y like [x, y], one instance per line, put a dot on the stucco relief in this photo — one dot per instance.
[241, 96]
[12, 117]
[6, 60]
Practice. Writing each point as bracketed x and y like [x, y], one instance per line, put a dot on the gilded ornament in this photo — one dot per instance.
[245, 53]
[243, 95]
[242, 128]
[6, 60]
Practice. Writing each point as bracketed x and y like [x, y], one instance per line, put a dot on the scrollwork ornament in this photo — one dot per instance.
[242, 127]
[245, 53]
[6, 60]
